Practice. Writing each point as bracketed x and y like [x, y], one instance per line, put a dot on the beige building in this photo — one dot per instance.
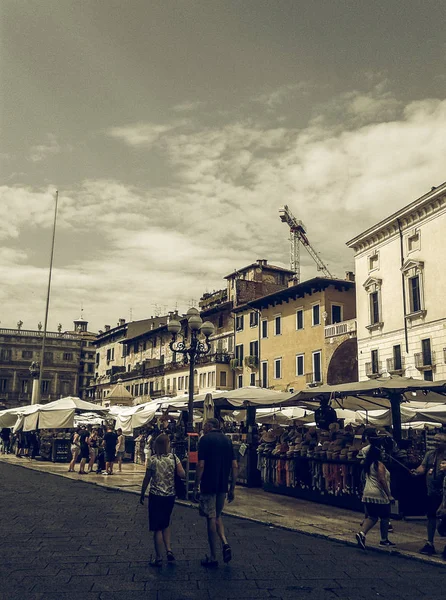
[20, 347]
[302, 335]
[401, 283]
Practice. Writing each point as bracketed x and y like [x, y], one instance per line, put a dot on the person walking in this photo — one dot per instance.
[120, 448]
[216, 463]
[441, 513]
[431, 467]
[84, 436]
[376, 497]
[160, 473]
[6, 440]
[110, 439]
[75, 451]
[93, 449]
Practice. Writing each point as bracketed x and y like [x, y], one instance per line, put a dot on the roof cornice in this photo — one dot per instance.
[409, 216]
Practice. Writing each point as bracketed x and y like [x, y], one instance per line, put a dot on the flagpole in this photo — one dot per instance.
[42, 358]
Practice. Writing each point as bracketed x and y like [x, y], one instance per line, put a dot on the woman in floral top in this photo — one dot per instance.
[160, 473]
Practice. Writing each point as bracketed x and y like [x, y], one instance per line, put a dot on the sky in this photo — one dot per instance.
[174, 130]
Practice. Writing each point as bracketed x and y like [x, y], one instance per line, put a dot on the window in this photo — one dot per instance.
[68, 356]
[336, 313]
[428, 375]
[5, 354]
[375, 363]
[223, 379]
[213, 379]
[168, 385]
[316, 312]
[98, 357]
[4, 385]
[264, 328]
[230, 343]
[374, 308]
[141, 389]
[146, 389]
[25, 386]
[27, 353]
[413, 241]
[373, 262]
[265, 373]
[239, 355]
[110, 354]
[317, 372]
[220, 320]
[90, 368]
[45, 387]
[49, 356]
[299, 318]
[413, 273]
[278, 368]
[254, 348]
[209, 379]
[397, 362]
[239, 323]
[240, 381]
[186, 382]
[300, 365]
[373, 288]
[253, 319]
[426, 351]
[252, 379]
[278, 325]
[414, 294]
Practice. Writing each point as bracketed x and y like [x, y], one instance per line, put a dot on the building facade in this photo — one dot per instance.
[20, 347]
[401, 283]
[302, 335]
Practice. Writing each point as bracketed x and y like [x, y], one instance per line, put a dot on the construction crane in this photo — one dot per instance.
[298, 235]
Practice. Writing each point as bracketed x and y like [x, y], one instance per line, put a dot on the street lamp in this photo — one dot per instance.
[195, 349]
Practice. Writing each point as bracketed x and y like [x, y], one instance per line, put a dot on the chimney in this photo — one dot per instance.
[100, 332]
[107, 327]
[349, 276]
[262, 262]
[121, 322]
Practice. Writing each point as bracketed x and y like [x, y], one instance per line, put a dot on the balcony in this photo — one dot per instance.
[343, 328]
[424, 361]
[313, 379]
[373, 369]
[236, 364]
[395, 366]
[252, 361]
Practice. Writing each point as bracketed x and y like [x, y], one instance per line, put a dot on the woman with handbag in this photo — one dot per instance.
[75, 450]
[161, 471]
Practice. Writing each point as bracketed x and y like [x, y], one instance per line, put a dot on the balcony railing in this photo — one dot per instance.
[424, 360]
[373, 369]
[39, 334]
[313, 378]
[236, 363]
[345, 327]
[395, 366]
[252, 361]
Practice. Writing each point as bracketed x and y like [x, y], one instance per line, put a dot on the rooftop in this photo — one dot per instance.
[262, 264]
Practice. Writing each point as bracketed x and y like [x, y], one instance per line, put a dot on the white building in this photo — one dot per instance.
[401, 290]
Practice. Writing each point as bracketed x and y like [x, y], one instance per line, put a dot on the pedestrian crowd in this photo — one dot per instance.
[377, 495]
[97, 447]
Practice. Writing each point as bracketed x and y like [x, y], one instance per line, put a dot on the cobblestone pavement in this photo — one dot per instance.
[65, 539]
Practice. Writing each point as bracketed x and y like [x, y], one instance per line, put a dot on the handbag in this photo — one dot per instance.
[179, 484]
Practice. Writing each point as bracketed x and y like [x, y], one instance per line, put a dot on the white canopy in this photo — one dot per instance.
[27, 419]
[8, 417]
[129, 418]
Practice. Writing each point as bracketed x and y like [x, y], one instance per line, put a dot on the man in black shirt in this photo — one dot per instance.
[216, 462]
[110, 439]
[325, 415]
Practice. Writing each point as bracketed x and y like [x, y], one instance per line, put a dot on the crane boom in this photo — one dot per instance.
[298, 235]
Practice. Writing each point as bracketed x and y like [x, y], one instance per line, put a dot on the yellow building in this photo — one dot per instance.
[302, 335]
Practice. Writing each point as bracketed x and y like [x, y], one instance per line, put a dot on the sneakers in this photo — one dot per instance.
[386, 543]
[360, 538]
[428, 549]
[227, 553]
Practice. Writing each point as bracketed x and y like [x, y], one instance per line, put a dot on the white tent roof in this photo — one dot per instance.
[72, 403]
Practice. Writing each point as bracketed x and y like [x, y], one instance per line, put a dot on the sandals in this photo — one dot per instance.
[208, 563]
[170, 556]
[156, 562]
[227, 553]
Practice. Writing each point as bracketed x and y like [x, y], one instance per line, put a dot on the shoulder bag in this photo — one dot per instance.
[179, 484]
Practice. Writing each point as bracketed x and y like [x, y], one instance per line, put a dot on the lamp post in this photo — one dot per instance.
[197, 347]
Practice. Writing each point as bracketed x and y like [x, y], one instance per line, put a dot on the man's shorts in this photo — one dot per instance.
[120, 455]
[433, 504]
[211, 505]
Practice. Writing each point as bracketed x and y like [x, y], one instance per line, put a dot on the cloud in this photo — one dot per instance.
[142, 134]
[42, 151]
[351, 166]
[188, 106]
[276, 97]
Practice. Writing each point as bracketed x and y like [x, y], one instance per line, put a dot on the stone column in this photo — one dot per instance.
[35, 372]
